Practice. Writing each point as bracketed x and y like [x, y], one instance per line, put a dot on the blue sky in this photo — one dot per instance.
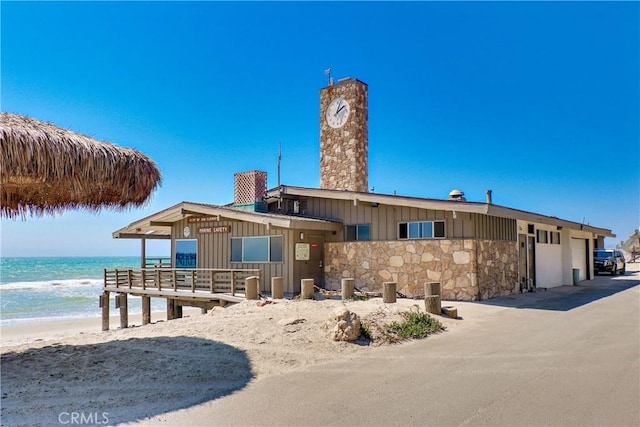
[538, 101]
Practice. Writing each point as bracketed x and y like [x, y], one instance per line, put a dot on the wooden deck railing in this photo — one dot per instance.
[210, 280]
[157, 262]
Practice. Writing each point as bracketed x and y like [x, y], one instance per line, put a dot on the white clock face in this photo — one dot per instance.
[337, 113]
[187, 231]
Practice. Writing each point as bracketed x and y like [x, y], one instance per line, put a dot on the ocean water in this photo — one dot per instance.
[43, 289]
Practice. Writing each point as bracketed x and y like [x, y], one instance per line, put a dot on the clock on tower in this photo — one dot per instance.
[344, 136]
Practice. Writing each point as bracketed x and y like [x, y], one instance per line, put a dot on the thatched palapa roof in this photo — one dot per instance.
[45, 169]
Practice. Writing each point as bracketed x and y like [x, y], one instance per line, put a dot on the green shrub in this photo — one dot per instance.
[415, 325]
[365, 332]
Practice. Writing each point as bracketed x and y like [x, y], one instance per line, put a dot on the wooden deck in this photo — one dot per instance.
[199, 287]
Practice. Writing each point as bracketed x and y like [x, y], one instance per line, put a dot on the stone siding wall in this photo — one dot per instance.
[497, 268]
[412, 263]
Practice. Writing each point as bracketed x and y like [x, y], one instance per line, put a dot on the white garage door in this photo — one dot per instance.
[579, 256]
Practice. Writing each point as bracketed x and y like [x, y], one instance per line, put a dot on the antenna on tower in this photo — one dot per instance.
[279, 161]
[327, 72]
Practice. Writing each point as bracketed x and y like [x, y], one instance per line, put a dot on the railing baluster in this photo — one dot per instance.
[193, 280]
[175, 280]
[233, 283]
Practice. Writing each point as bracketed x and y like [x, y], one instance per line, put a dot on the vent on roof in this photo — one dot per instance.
[457, 196]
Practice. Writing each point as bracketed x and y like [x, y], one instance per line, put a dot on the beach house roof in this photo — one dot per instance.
[436, 204]
[158, 225]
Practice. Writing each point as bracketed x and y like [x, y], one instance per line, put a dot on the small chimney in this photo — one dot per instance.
[489, 199]
[249, 190]
[457, 196]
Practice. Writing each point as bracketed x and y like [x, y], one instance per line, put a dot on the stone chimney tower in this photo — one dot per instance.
[344, 136]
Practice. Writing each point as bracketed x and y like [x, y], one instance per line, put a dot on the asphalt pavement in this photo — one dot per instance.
[568, 356]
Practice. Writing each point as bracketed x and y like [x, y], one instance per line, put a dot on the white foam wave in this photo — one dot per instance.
[49, 285]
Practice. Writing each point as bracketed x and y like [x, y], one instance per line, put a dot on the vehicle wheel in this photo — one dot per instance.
[613, 270]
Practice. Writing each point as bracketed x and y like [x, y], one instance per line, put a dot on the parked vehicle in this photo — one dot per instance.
[609, 260]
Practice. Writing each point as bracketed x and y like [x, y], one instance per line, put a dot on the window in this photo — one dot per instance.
[555, 237]
[421, 230]
[186, 253]
[257, 249]
[542, 236]
[357, 232]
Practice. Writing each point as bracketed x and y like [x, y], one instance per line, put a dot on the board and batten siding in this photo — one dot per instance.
[495, 228]
[214, 249]
[384, 220]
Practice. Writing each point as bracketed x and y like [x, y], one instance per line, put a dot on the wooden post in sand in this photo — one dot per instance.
[251, 287]
[306, 288]
[177, 310]
[146, 310]
[348, 286]
[124, 311]
[277, 288]
[432, 302]
[104, 303]
[389, 292]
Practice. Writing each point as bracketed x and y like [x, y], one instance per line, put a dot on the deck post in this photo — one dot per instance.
[211, 276]
[129, 277]
[104, 303]
[124, 311]
[146, 310]
[193, 281]
[158, 280]
[144, 279]
[233, 283]
[175, 280]
[143, 252]
[170, 309]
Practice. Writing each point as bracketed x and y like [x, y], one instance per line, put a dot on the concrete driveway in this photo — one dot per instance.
[565, 357]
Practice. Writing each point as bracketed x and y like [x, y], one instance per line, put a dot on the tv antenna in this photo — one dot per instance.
[327, 72]
[279, 161]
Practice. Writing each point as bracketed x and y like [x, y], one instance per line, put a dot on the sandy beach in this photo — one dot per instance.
[55, 370]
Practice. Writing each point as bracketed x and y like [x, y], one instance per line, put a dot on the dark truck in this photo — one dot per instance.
[609, 260]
